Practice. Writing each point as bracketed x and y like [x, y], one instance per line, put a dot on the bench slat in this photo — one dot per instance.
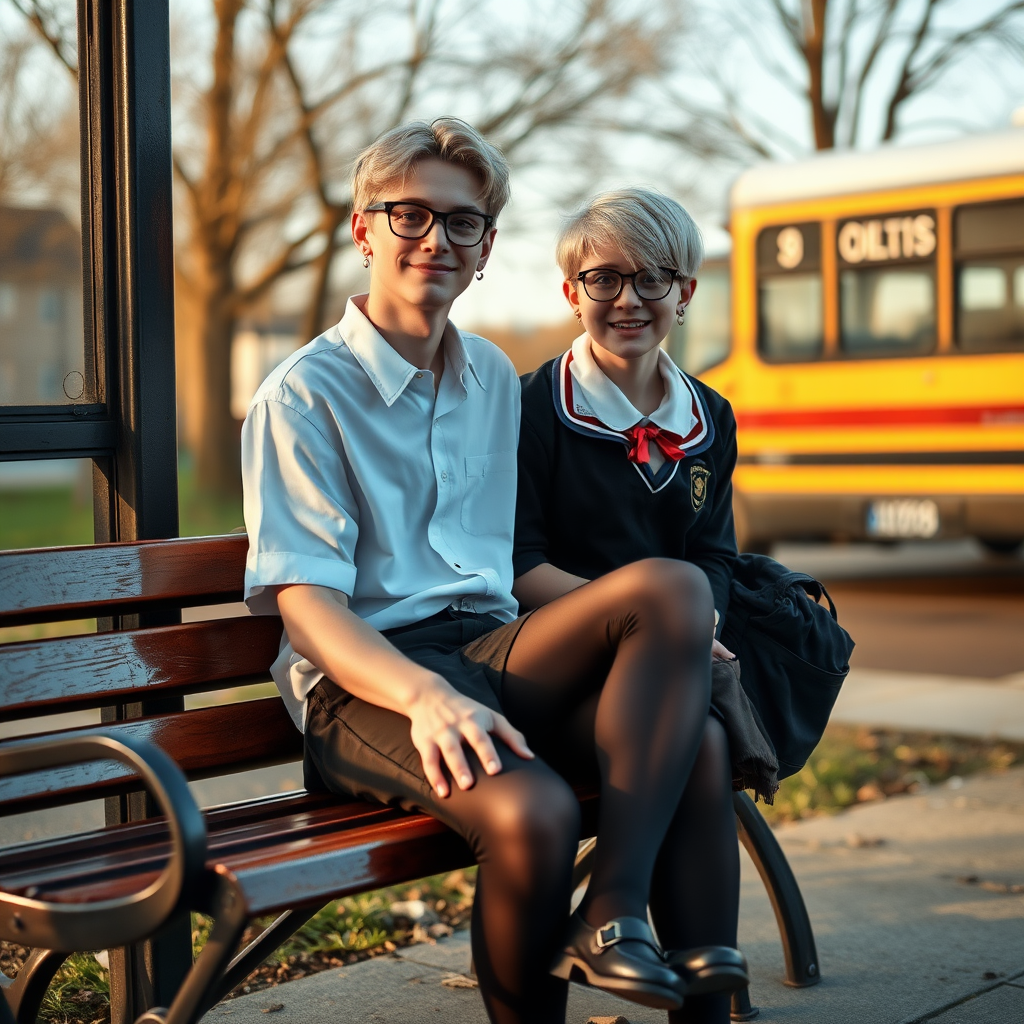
[315, 849]
[49, 584]
[101, 669]
[204, 742]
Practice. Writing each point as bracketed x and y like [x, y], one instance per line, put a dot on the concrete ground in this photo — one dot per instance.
[917, 904]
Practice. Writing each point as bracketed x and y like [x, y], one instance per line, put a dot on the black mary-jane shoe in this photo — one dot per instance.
[708, 969]
[594, 956]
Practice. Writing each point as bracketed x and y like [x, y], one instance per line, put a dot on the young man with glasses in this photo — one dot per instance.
[379, 470]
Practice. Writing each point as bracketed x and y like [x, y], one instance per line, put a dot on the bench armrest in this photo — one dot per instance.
[102, 924]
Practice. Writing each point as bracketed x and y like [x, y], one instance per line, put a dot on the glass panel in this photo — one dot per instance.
[704, 339]
[888, 311]
[42, 349]
[982, 288]
[989, 229]
[45, 502]
[790, 317]
[990, 306]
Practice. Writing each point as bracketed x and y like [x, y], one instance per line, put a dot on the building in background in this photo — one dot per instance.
[258, 347]
[42, 354]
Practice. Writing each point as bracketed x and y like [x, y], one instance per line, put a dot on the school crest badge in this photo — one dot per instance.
[698, 485]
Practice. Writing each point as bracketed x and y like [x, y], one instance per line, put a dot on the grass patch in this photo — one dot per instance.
[51, 516]
[201, 514]
[856, 765]
[79, 994]
[43, 517]
[344, 932]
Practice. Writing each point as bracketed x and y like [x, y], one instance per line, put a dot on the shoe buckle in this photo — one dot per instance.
[608, 935]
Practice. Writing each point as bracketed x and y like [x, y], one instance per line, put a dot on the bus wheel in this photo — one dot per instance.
[1001, 545]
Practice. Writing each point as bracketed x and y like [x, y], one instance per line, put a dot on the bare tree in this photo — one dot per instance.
[37, 163]
[853, 66]
[265, 192]
[273, 98]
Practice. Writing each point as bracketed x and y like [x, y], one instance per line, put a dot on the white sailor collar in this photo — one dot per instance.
[590, 403]
[389, 371]
[601, 398]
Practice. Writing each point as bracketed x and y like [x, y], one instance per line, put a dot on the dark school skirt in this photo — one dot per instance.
[358, 749]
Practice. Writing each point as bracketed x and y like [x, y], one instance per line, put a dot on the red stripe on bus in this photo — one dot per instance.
[986, 414]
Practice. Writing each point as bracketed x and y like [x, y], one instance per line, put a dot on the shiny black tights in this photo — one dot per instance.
[611, 681]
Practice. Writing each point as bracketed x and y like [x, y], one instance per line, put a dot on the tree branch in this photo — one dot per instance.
[44, 19]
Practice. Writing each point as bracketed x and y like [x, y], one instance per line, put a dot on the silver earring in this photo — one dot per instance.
[680, 316]
[479, 275]
[366, 260]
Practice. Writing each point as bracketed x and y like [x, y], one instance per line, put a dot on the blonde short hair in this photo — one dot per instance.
[390, 158]
[649, 228]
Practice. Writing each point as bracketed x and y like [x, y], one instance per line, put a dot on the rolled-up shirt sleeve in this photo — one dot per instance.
[300, 512]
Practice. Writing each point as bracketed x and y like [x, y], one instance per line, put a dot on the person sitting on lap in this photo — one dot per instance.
[379, 473]
[624, 457]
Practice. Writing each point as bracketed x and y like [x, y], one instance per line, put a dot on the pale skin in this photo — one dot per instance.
[627, 333]
[413, 283]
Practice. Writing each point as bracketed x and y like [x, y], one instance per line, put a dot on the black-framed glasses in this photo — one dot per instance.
[604, 285]
[414, 220]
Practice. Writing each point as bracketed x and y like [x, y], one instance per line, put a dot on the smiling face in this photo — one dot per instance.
[628, 327]
[428, 273]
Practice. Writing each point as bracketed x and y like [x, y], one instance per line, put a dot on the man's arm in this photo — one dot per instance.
[322, 629]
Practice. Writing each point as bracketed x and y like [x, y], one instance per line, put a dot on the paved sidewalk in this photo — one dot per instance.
[914, 910]
[985, 708]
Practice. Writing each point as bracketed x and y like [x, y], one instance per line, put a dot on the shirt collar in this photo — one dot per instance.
[608, 404]
[389, 371]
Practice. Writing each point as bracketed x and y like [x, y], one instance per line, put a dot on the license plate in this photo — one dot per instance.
[903, 517]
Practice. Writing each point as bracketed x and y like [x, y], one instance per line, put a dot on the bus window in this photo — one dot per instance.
[989, 248]
[887, 311]
[789, 292]
[704, 339]
[887, 284]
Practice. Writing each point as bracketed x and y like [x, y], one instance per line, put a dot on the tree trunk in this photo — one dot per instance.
[313, 322]
[216, 434]
[822, 118]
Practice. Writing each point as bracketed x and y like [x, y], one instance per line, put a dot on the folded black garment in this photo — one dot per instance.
[754, 765]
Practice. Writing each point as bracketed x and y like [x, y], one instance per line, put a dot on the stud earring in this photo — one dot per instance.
[680, 316]
[479, 275]
[366, 260]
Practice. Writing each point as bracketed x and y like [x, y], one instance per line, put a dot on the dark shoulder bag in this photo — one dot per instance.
[793, 653]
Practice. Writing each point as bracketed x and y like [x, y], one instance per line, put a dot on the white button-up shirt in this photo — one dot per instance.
[357, 478]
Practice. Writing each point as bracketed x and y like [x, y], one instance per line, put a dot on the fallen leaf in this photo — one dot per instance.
[273, 1008]
[458, 981]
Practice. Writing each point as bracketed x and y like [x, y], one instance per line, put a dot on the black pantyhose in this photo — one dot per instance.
[641, 638]
[695, 889]
[613, 678]
[523, 827]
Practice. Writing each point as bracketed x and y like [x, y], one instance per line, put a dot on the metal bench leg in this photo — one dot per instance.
[23, 995]
[794, 925]
[740, 1008]
[286, 925]
[229, 914]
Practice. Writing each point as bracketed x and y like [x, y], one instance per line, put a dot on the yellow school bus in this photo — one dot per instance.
[874, 354]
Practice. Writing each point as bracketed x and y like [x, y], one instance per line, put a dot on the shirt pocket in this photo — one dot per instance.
[489, 503]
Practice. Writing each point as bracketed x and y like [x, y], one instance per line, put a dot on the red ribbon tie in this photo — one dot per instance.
[642, 435]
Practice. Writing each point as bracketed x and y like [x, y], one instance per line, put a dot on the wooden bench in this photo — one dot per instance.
[286, 855]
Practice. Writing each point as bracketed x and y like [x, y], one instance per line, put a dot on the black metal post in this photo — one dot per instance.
[125, 102]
